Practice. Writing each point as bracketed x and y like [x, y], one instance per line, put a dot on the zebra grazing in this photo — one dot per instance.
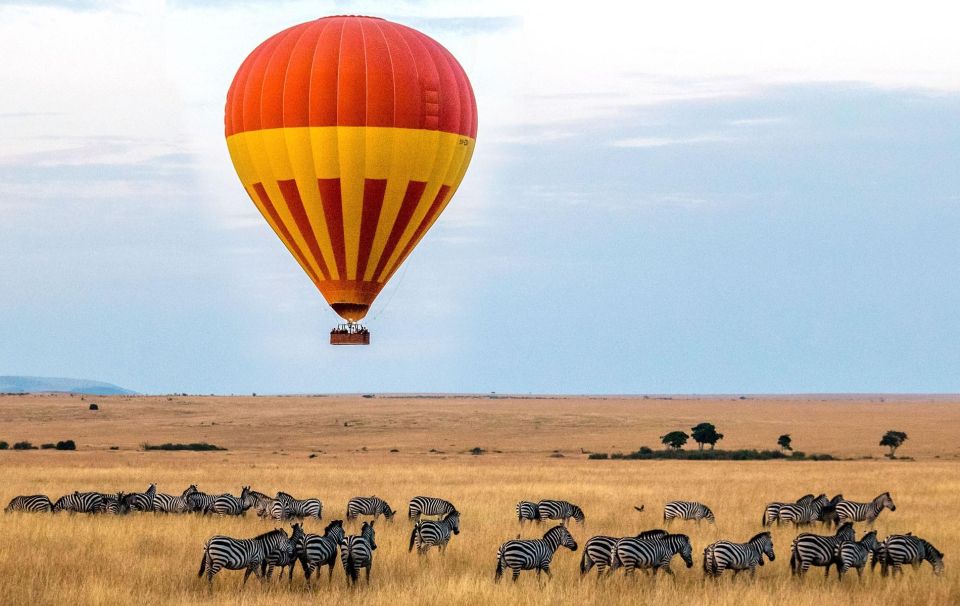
[286, 554]
[853, 554]
[527, 510]
[817, 550]
[725, 555]
[34, 503]
[851, 511]
[368, 506]
[229, 505]
[316, 551]
[79, 502]
[430, 533]
[653, 552]
[141, 501]
[899, 549]
[549, 509]
[356, 552]
[800, 514]
[221, 552]
[687, 510]
[168, 503]
[115, 504]
[597, 550]
[301, 508]
[771, 513]
[533, 554]
[428, 506]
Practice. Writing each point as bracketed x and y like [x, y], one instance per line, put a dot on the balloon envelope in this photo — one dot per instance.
[350, 134]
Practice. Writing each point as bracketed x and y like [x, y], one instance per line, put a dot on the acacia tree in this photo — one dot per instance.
[784, 442]
[675, 439]
[706, 433]
[893, 440]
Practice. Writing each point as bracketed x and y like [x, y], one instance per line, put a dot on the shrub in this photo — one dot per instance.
[4, 445]
[66, 445]
[48, 446]
[598, 455]
[94, 407]
[476, 450]
[200, 446]
[24, 446]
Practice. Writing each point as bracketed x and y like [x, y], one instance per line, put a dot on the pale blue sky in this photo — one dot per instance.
[767, 204]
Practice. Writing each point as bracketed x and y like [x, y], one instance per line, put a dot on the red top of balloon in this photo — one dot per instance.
[351, 71]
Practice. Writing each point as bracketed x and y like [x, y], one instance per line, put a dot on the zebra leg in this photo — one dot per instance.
[516, 573]
[367, 569]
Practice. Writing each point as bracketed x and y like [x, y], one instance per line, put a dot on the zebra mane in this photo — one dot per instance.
[759, 536]
[450, 515]
[930, 549]
[331, 525]
[656, 533]
[836, 499]
[269, 534]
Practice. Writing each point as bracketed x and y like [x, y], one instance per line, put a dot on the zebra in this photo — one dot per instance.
[772, 510]
[79, 502]
[115, 504]
[851, 511]
[549, 509]
[428, 506]
[198, 502]
[802, 513]
[34, 503]
[724, 555]
[286, 554]
[229, 505]
[899, 549]
[654, 552]
[533, 554]
[429, 533]
[817, 550]
[687, 510]
[356, 552]
[527, 510]
[368, 506]
[301, 508]
[168, 503]
[597, 550]
[221, 552]
[254, 498]
[853, 554]
[274, 509]
[828, 514]
[141, 501]
[316, 551]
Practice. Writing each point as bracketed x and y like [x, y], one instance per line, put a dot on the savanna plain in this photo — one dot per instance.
[397, 447]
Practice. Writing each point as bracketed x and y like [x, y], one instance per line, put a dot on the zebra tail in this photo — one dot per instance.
[499, 573]
[583, 562]
[413, 537]
[203, 562]
[615, 558]
[352, 573]
[793, 558]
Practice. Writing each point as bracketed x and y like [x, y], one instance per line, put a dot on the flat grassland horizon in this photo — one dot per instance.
[336, 447]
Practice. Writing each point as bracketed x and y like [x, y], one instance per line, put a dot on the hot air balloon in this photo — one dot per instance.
[350, 134]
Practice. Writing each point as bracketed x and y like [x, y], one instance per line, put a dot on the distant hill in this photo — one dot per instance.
[12, 384]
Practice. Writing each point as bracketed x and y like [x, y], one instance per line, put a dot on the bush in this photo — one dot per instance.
[598, 455]
[476, 450]
[66, 445]
[200, 446]
[48, 446]
[646, 453]
[24, 446]
[4, 445]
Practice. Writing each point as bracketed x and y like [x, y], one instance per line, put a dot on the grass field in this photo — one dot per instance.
[105, 560]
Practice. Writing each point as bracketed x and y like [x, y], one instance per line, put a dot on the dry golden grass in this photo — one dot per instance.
[104, 560]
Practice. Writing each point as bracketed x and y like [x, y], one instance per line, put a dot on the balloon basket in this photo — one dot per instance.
[349, 334]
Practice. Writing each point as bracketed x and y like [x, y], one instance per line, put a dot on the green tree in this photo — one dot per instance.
[675, 439]
[706, 433]
[893, 440]
[784, 442]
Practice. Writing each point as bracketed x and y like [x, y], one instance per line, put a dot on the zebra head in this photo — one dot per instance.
[297, 536]
[334, 530]
[369, 535]
[846, 532]
[870, 541]
[559, 536]
[681, 543]
[836, 499]
[886, 500]
[765, 543]
[192, 489]
[61, 503]
[387, 512]
[934, 556]
[577, 513]
[452, 520]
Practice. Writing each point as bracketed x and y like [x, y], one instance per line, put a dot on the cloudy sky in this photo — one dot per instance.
[696, 197]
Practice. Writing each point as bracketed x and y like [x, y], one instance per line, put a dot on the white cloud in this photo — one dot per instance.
[665, 141]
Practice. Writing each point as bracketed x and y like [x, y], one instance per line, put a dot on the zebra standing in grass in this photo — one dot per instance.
[286, 554]
[817, 550]
[899, 549]
[802, 513]
[851, 511]
[771, 513]
[724, 555]
[254, 498]
[274, 509]
[301, 508]
[654, 552]
[853, 554]
[527, 510]
[34, 503]
[356, 552]
[115, 504]
[430, 533]
[687, 510]
[229, 505]
[828, 514]
[533, 554]
[550, 509]
[79, 502]
[597, 550]
[199, 502]
[368, 506]
[221, 552]
[168, 503]
[316, 551]
[141, 501]
[428, 506]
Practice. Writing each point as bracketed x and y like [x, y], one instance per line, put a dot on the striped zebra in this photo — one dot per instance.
[654, 553]
[550, 509]
[533, 554]
[301, 508]
[368, 506]
[597, 550]
[851, 511]
[79, 502]
[254, 498]
[853, 554]
[899, 549]
[221, 552]
[286, 554]
[431, 533]
[428, 506]
[141, 501]
[168, 503]
[527, 510]
[115, 504]
[274, 509]
[772, 511]
[817, 550]
[34, 503]
[726, 555]
[800, 514]
[828, 514]
[356, 552]
[687, 510]
[229, 505]
[316, 551]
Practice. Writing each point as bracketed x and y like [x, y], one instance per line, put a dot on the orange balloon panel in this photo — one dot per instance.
[350, 134]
